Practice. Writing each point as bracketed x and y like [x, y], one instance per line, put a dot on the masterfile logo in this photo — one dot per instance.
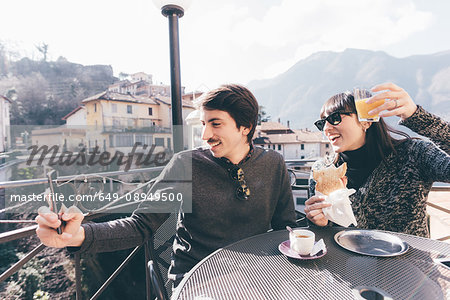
[68, 158]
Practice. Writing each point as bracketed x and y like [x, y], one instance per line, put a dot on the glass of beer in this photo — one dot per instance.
[362, 108]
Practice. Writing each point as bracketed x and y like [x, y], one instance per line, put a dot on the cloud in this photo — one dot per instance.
[233, 40]
[221, 41]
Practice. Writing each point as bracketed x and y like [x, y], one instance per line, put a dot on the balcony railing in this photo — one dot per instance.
[89, 216]
[131, 129]
[96, 214]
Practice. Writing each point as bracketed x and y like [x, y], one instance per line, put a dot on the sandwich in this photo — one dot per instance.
[330, 179]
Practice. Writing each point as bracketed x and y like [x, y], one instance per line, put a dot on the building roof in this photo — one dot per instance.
[5, 98]
[140, 73]
[168, 101]
[298, 137]
[273, 128]
[112, 96]
[58, 130]
[72, 112]
[310, 136]
[192, 95]
[119, 83]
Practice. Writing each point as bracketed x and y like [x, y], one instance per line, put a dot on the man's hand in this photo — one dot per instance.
[72, 232]
[313, 210]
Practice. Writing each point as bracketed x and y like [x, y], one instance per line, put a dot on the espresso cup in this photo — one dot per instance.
[302, 241]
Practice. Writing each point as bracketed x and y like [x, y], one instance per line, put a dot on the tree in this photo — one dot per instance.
[43, 48]
[3, 61]
[11, 94]
[123, 76]
[31, 106]
[6, 57]
[262, 115]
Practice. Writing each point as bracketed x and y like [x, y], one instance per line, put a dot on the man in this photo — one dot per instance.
[237, 191]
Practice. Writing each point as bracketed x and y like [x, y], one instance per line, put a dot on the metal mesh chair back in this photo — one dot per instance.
[162, 249]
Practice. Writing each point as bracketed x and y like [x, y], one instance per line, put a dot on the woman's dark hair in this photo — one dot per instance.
[379, 141]
[236, 100]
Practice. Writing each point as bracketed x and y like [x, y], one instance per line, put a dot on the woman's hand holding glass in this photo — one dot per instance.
[313, 210]
[398, 103]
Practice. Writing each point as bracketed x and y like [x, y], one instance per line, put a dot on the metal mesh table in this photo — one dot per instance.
[255, 269]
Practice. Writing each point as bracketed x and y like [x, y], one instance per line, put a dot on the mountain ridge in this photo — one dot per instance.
[298, 94]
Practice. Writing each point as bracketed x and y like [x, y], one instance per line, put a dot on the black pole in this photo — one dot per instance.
[173, 12]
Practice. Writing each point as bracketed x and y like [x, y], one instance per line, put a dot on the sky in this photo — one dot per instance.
[221, 41]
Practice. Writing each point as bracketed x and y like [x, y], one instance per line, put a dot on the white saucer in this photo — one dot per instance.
[285, 248]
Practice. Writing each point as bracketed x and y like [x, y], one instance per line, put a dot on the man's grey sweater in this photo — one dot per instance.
[218, 216]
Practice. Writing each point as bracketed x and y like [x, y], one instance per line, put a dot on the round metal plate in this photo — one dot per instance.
[371, 242]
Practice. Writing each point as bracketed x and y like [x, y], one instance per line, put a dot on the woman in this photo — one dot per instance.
[392, 177]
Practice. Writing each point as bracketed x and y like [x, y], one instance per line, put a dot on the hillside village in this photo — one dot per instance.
[135, 110]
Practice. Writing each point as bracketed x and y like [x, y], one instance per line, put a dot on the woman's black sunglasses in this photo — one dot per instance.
[334, 119]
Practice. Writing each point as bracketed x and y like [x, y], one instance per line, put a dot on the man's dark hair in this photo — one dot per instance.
[236, 100]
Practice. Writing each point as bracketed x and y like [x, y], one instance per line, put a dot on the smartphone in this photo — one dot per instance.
[51, 176]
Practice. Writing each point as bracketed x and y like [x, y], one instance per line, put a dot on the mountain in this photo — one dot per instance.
[298, 94]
